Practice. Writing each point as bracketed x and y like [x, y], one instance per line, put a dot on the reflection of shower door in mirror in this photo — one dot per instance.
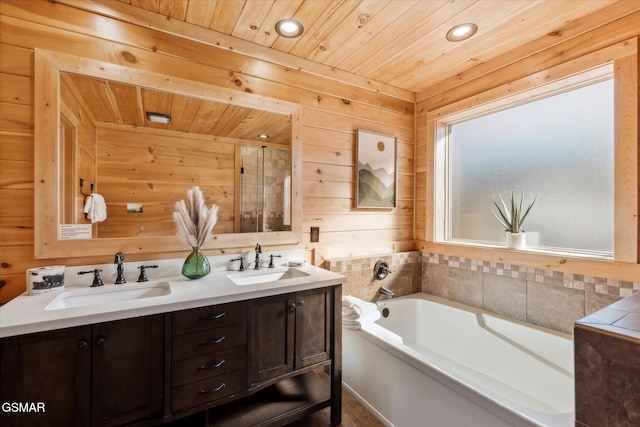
[263, 168]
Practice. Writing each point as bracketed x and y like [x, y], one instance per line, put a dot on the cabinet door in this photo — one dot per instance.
[50, 371]
[127, 371]
[313, 327]
[271, 337]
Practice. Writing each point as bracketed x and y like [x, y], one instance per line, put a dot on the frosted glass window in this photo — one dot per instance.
[560, 148]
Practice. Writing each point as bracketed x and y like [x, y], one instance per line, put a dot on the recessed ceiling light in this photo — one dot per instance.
[289, 28]
[263, 136]
[461, 32]
[158, 117]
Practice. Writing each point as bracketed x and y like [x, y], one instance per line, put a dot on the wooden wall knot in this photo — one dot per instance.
[129, 57]
[363, 19]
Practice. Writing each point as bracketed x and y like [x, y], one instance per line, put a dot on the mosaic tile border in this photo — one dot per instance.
[598, 285]
[346, 265]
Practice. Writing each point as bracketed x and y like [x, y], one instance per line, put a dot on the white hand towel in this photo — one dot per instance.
[356, 312]
[95, 208]
[352, 306]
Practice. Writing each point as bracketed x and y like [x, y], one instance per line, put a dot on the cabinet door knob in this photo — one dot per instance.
[212, 341]
[211, 366]
[100, 340]
[301, 303]
[292, 307]
[220, 387]
[213, 316]
[83, 345]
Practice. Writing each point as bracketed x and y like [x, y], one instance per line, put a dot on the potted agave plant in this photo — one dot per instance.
[194, 224]
[511, 216]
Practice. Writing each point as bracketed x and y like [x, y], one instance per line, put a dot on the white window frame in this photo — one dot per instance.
[618, 60]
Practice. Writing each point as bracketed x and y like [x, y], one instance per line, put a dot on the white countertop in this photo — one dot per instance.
[27, 313]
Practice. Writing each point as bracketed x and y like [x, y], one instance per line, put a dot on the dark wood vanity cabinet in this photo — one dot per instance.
[246, 363]
[288, 332]
[127, 371]
[107, 374]
[208, 354]
[49, 368]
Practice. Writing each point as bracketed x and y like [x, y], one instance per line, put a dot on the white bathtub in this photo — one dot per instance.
[458, 366]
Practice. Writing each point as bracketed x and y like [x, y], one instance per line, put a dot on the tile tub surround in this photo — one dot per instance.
[607, 361]
[405, 279]
[547, 298]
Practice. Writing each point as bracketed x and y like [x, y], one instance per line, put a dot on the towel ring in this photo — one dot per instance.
[82, 185]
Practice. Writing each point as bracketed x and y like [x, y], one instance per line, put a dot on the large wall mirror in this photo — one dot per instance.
[140, 139]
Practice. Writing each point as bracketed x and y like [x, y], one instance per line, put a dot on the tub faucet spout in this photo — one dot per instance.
[386, 291]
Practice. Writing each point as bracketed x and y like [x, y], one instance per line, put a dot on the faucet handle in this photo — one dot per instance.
[143, 273]
[381, 269]
[241, 259]
[97, 281]
[271, 257]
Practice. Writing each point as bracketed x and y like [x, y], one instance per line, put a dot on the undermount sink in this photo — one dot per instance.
[107, 294]
[265, 276]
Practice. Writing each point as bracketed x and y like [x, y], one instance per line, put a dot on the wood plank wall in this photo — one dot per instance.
[153, 169]
[581, 39]
[332, 111]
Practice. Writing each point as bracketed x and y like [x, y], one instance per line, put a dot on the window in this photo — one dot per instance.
[558, 147]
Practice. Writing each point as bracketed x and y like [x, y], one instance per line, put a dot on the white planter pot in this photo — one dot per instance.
[515, 240]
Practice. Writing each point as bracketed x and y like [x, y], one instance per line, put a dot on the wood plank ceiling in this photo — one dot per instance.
[124, 104]
[398, 42]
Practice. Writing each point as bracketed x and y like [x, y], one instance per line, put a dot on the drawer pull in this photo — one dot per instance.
[211, 367]
[220, 387]
[213, 316]
[212, 341]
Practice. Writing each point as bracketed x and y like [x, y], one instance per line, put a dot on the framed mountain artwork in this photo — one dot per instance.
[376, 177]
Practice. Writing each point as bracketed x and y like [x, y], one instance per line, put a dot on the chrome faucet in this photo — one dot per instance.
[257, 260]
[386, 291]
[119, 260]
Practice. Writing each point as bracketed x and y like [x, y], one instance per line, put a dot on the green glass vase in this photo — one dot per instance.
[196, 265]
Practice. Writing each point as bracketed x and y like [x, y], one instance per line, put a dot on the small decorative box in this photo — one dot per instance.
[45, 279]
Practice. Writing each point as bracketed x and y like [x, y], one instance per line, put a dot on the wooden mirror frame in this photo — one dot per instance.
[48, 66]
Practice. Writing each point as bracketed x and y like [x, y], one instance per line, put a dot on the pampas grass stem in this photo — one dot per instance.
[194, 220]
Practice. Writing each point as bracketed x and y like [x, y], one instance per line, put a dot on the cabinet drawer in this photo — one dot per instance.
[210, 365]
[208, 390]
[200, 319]
[206, 342]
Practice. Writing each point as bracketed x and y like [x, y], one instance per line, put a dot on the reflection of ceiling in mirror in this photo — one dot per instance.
[119, 103]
